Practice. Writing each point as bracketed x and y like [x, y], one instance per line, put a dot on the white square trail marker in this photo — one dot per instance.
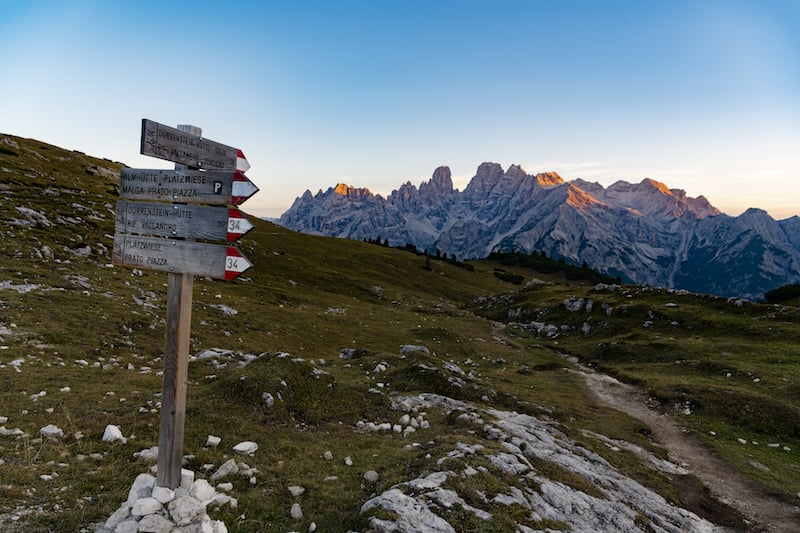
[157, 220]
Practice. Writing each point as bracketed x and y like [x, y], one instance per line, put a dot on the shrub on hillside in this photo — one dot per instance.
[782, 294]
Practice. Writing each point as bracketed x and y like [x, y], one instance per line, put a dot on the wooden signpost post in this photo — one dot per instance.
[155, 235]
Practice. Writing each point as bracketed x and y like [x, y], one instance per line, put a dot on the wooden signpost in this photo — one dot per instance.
[180, 146]
[181, 221]
[186, 186]
[158, 234]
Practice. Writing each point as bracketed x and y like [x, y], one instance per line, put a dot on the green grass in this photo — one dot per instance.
[734, 367]
[99, 330]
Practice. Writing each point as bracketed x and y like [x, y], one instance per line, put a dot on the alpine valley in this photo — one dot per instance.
[645, 233]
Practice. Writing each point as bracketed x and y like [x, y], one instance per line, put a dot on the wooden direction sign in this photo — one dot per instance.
[181, 221]
[194, 151]
[186, 186]
[179, 257]
[159, 236]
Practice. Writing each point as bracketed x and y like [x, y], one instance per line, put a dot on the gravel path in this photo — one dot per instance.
[764, 511]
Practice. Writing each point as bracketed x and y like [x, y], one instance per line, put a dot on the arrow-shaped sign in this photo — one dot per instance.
[186, 186]
[238, 225]
[181, 221]
[194, 151]
[179, 257]
[242, 188]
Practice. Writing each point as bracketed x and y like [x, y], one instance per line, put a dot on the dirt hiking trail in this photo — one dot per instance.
[764, 512]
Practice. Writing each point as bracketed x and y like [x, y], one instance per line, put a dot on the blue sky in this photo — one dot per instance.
[701, 95]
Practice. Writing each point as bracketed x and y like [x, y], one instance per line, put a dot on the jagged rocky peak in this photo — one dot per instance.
[353, 193]
[440, 184]
[441, 178]
[516, 172]
[549, 179]
[492, 173]
[650, 197]
[488, 173]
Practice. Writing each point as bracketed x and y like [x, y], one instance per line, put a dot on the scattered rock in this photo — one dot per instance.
[163, 494]
[112, 434]
[51, 432]
[247, 447]
[227, 468]
[407, 348]
[296, 490]
[186, 510]
[296, 511]
[146, 506]
[148, 454]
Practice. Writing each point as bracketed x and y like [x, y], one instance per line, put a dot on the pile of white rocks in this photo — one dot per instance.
[153, 509]
[407, 424]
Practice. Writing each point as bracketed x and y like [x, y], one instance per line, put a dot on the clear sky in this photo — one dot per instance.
[702, 95]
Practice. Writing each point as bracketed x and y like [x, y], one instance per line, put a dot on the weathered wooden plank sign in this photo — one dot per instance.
[181, 221]
[182, 147]
[186, 186]
[179, 257]
[160, 236]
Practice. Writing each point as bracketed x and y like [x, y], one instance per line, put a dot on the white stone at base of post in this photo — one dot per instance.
[151, 506]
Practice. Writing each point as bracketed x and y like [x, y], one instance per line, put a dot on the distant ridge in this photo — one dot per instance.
[643, 232]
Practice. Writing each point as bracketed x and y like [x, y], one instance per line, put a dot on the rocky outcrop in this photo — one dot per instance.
[523, 446]
[644, 232]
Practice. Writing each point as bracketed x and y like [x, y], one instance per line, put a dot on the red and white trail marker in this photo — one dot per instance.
[238, 225]
[186, 186]
[241, 188]
[178, 146]
[181, 221]
[179, 257]
[235, 263]
[241, 162]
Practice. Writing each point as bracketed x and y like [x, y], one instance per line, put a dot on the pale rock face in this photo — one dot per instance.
[643, 232]
[523, 440]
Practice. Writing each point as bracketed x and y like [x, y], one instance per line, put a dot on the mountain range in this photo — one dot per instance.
[645, 233]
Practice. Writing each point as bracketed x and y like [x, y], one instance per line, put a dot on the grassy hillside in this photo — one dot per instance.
[727, 369]
[81, 343]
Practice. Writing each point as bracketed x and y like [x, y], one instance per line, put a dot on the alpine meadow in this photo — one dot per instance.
[380, 389]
